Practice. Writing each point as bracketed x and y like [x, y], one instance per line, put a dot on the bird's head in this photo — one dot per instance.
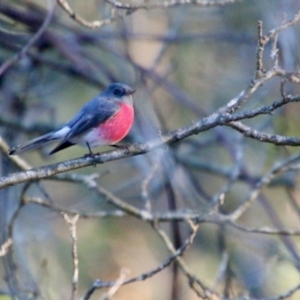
[120, 91]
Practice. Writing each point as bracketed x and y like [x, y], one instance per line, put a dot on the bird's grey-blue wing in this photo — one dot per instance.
[90, 116]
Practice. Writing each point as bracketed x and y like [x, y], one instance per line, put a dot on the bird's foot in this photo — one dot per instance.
[91, 155]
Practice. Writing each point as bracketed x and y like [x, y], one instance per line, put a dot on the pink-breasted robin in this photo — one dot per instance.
[105, 120]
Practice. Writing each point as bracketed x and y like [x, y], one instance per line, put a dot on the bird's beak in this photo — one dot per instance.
[130, 92]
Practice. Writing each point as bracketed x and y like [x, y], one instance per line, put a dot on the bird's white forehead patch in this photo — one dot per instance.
[61, 133]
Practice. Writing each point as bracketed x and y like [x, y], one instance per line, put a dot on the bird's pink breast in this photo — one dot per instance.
[118, 126]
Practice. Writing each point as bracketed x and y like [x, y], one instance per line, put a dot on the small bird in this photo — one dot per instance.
[103, 121]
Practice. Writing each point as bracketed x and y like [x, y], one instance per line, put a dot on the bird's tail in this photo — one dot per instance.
[35, 143]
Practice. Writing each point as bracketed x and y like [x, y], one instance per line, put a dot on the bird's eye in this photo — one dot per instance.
[118, 92]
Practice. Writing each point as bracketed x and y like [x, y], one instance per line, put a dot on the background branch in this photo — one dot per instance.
[203, 203]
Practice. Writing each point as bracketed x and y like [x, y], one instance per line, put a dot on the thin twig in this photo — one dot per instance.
[204, 291]
[145, 186]
[260, 51]
[168, 4]
[277, 169]
[72, 223]
[5, 246]
[119, 282]
[93, 24]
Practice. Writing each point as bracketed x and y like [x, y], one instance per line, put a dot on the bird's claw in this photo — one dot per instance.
[91, 155]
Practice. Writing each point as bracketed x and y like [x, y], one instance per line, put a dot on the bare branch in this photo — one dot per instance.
[263, 136]
[215, 119]
[168, 4]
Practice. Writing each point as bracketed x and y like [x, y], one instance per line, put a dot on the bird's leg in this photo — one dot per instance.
[90, 154]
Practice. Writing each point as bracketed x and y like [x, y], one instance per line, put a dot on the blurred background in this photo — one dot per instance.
[185, 62]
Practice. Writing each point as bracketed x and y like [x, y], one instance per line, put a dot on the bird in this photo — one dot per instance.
[105, 120]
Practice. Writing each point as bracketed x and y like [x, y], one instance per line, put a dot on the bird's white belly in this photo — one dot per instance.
[92, 137]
